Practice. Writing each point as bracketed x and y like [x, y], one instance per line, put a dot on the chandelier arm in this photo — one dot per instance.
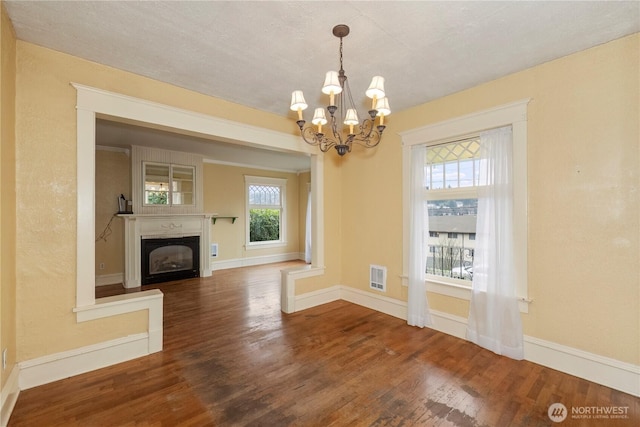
[370, 140]
[311, 137]
[326, 144]
[366, 128]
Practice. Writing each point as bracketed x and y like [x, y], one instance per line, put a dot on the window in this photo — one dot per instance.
[456, 129]
[168, 184]
[451, 175]
[265, 211]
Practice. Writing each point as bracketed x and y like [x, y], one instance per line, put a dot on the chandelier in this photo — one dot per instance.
[344, 112]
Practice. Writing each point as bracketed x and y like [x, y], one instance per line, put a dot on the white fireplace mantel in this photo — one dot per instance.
[153, 226]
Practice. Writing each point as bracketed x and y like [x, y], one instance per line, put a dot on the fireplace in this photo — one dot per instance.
[148, 227]
[167, 259]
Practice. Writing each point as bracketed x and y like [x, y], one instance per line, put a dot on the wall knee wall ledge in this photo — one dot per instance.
[251, 261]
[9, 396]
[53, 367]
[592, 367]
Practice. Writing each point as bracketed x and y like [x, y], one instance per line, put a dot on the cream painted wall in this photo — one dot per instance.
[224, 194]
[46, 173]
[113, 177]
[333, 187]
[8, 199]
[583, 179]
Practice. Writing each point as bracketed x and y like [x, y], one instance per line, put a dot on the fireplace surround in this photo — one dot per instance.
[139, 228]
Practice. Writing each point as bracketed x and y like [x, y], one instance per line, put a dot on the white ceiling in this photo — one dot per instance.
[255, 53]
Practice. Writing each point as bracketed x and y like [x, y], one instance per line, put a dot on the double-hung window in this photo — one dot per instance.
[451, 191]
[451, 182]
[265, 211]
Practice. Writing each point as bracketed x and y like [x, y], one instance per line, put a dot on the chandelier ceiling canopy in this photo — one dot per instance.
[342, 111]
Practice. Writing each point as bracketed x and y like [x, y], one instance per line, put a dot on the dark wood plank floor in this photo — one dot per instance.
[231, 358]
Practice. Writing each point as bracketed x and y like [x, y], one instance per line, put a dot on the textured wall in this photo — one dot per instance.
[583, 179]
[225, 195]
[7, 189]
[113, 177]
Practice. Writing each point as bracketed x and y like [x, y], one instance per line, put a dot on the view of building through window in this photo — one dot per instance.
[452, 231]
[451, 179]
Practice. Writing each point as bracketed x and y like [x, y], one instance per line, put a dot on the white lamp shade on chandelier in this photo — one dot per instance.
[376, 88]
[382, 106]
[298, 103]
[352, 117]
[319, 118]
[331, 83]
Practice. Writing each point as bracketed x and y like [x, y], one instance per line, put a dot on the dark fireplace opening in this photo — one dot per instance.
[164, 260]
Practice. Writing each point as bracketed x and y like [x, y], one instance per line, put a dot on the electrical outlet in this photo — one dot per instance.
[4, 359]
[102, 266]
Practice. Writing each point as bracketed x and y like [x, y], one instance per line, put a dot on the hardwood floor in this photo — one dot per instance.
[231, 358]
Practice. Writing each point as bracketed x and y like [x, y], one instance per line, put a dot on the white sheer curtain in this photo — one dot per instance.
[307, 237]
[417, 307]
[494, 318]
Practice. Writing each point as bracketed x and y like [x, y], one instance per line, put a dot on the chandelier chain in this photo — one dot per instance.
[341, 69]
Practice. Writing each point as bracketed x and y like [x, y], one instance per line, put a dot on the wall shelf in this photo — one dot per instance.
[232, 218]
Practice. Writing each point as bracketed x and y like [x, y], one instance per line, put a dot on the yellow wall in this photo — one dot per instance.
[113, 177]
[224, 194]
[7, 189]
[333, 187]
[583, 180]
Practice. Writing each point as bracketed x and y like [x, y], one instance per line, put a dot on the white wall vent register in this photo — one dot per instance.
[378, 278]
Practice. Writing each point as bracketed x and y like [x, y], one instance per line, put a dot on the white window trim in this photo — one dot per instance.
[276, 182]
[514, 114]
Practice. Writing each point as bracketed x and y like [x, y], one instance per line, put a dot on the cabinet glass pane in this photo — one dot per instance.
[182, 185]
[156, 184]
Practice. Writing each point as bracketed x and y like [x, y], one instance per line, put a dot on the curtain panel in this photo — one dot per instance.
[494, 318]
[417, 306]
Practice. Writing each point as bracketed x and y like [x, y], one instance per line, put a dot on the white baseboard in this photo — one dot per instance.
[592, 367]
[9, 396]
[312, 299]
[374, 301]
[109, 279]
[54, 367]
[251, 261]
[598, 369]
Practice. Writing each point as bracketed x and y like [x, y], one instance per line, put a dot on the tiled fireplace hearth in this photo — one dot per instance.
[142, 227]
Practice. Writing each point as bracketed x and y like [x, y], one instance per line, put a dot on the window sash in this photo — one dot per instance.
[254, 183]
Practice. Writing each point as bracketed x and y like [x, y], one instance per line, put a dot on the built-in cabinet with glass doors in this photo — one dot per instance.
[168, 184]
